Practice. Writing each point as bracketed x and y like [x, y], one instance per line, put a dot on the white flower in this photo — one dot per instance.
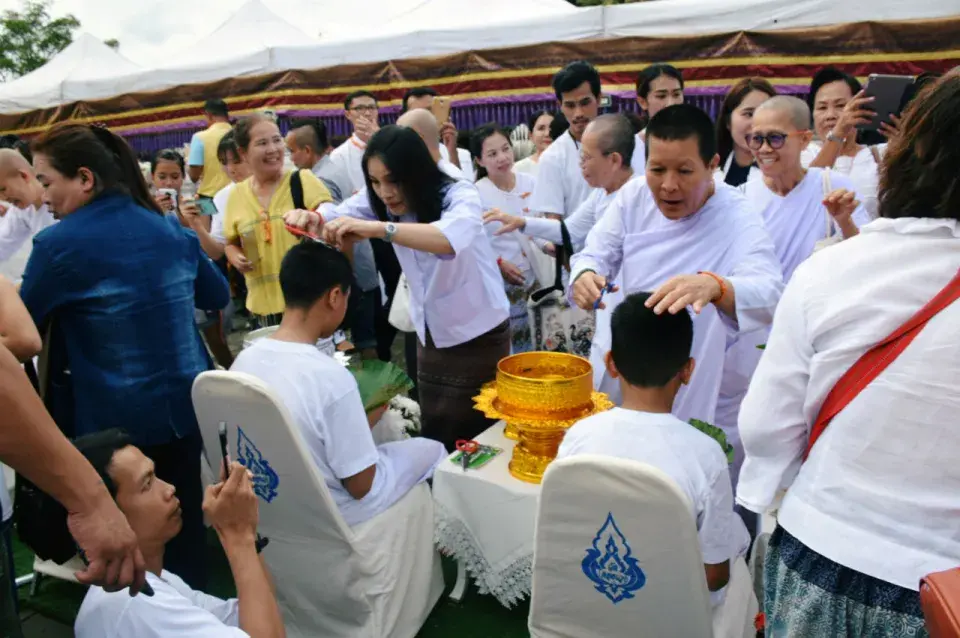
[409, 411]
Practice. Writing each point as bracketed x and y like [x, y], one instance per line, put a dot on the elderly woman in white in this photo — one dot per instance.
[872, 500]
[457, 300]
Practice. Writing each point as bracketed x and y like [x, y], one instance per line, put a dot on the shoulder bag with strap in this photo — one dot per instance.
[876, 359]
[296, 190]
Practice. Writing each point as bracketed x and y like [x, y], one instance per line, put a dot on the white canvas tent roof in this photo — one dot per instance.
[66, 77]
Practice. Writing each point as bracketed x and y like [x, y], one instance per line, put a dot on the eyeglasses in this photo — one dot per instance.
[775, 140]
[364, 108]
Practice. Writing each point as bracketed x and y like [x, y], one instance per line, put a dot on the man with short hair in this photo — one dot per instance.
[561, 187]
[310, 150]
[27, 215]
[204, 167]
[422, 97]
[693, 242]
[153, 511]
[361, 110]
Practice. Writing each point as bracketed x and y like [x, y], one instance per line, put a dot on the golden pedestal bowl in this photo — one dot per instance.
[539, 395]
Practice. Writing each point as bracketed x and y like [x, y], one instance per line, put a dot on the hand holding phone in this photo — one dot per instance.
[441, 109]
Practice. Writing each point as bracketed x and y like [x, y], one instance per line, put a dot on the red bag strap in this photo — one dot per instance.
[874, 361]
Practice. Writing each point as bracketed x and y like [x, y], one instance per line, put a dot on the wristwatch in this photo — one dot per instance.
[834, 138]
[389, 230]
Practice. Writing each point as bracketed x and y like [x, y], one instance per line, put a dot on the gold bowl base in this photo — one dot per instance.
[511, 431]
[535, 450]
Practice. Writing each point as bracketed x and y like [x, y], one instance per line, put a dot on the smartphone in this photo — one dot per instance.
[888, 92]
[207, 207]
[224, 450]
[441, 109]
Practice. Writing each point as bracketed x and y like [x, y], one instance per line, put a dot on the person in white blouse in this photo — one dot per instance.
[540, 136]
[871, 507]
[839, 105]
[734, 123]
[153, 511]
[26, 214]
[658, 86]
[561, 188]
[692, 242]
[503, 190]
[457, 301]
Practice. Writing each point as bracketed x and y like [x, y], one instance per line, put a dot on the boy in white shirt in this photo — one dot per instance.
[153, 511]
[651, 359]
[322, 396]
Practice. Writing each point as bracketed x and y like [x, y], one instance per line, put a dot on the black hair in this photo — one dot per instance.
[318, 137]
[616, 136]
[228, 147]
[412, 168]
[99, 449]
[309, 270]
[651, 73]
[17, 144]
[418, 91]
[681, 122]
[649, 350]
[573, 75]
[532, 121]
[558, 126]
[216, 107]
[734, 98]
[480, 135]
[347, 101]
[167, 155]
[829, 75]
[244, 126]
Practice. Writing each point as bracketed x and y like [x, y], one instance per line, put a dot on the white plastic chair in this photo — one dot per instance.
[616, 554]
[380, 579]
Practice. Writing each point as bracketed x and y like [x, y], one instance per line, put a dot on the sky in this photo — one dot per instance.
[152, 31]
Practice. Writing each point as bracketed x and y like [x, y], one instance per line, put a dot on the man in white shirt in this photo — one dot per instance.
[651, 360]
[361, 110]
[153, 512]
[561, 188]
[27, 215]
[423, 97]
[364, 479]
[309, 149]
[679, 221]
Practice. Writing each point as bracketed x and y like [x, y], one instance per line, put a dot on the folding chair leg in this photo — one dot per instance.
[460, 587]
[35, 585]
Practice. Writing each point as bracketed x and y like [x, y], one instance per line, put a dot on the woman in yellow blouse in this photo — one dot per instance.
[253, 223]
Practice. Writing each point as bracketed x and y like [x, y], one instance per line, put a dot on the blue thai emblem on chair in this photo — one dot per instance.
[265, 479]
[610, 564]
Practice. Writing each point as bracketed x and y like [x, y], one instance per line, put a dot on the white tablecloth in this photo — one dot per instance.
[486, 519]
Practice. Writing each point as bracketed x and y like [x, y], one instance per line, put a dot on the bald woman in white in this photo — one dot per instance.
[27, 215]
[694, 243]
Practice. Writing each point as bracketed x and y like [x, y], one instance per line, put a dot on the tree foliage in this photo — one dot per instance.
[113, 43]
[30, 37]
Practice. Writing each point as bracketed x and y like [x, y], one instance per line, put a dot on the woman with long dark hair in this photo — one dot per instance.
[734, 125]
[539, 125]
[119, 282]
[457, 300]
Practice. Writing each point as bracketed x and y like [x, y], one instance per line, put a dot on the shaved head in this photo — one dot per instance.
[12, 162]
[793, 107]
[425, 124]
[614, 134]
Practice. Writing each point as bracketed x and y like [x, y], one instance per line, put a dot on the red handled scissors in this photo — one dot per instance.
[302, 233]
[467, 449]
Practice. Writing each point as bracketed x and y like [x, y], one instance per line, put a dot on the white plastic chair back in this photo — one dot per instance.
[329, 578]
[617, 554]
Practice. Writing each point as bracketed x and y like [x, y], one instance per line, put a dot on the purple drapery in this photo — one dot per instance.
[466, 116]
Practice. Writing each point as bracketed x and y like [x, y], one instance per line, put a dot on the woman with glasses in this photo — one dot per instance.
[733, 127]
[361, 110]
[253, 227]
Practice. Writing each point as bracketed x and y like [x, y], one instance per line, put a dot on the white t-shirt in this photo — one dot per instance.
[691, 458]
[515, 202]
[862, 169]
[216, 222]
[323, 398]
[348, 157]
[174, 611]
[527, 165]
[466, 162]
[19, 225]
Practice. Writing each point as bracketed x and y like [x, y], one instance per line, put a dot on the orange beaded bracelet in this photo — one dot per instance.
[719, 280]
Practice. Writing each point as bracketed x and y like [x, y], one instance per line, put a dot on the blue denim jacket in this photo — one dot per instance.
[121, 283]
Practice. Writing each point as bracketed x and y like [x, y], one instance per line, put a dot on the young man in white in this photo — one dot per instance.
[153, 511]
[693, 242]
[27, 215]
[361, 110]
[561, 188]
[651, 359]
[322, 396]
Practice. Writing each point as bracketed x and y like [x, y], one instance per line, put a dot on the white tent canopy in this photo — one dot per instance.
[256, 40]
[65, 78]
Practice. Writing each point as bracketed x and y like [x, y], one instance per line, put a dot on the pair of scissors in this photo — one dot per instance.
[299, 232]
[608, 287]
[467, 449]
